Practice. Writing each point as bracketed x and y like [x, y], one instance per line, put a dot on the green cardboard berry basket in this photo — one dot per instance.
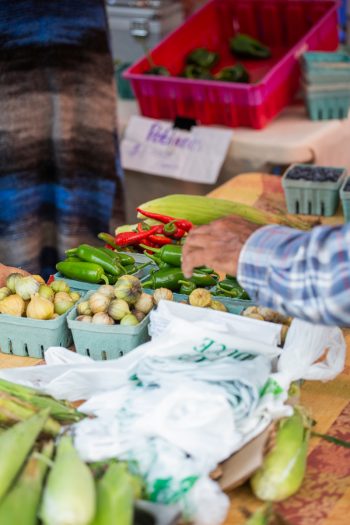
[30, 337]
[83, 287]
[312, 197]
[328, 104]
[104, 342]
[321, 67]
[345, 199]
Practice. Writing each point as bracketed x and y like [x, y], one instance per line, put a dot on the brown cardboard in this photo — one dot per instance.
[241, 465]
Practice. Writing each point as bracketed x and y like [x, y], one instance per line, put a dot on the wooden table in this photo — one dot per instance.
[324, 498]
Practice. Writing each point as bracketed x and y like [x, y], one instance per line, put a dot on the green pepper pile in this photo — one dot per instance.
[170, 276]
[97, 265]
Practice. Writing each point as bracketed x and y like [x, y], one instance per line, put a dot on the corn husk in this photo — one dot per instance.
[69, 496]
[61, 410]
[114, 497]
[15, 445]
[20, 505]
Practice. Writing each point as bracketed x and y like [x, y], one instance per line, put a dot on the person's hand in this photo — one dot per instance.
[216, 245]
[5, 271]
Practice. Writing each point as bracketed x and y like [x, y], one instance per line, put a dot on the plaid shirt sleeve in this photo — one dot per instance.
[301, 274]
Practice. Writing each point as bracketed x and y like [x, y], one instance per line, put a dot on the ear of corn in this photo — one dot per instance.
[283, 469]
[59, 410]
[20, 505]
[69, 496]
[13, 410]
[202, 210]
[15, 445]
[114, 497]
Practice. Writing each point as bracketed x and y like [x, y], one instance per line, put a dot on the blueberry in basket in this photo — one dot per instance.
[316, 174]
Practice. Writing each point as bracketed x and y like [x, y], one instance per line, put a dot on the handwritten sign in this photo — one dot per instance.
[155, 147]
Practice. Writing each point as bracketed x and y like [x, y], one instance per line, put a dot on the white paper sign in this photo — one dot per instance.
[155, 147]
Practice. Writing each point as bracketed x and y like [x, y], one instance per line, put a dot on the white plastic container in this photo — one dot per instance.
[159, 19]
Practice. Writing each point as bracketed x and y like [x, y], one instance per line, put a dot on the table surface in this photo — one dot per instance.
[289, 138]
[324, 498]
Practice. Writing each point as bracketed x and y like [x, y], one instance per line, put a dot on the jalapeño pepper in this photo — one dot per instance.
[171, 254]
[95, 255]
[187, 287]
[82, 271]
[170, 278]
[122, 258]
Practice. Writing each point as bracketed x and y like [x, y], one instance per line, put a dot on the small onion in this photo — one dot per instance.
[107, 290]
[250, 310]
[62, 296]
[118, 309]
[39, 279]
[11, 281]
[4, 292]
[217, 305]
[55, 316]
[60, 286]
[26, 287]
[98, 303]
[139, 315]
[102, 318]
[62, 306]
[83, 308]
[75, 296]
[12, 305]
[129, 320]
[162, 294]
[200, 297]
[40, 308]
[84, 318]
[128, 288]
[144, 304]
[46, 292]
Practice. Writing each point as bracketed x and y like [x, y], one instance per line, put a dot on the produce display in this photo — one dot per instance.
[200, 62]
[124, 304]
[30, 297]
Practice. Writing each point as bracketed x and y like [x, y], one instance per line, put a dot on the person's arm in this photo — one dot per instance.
[301, 274]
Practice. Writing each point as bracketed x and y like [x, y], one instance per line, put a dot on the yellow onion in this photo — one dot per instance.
[11, 281]
[62, 296]
[102, 318]
[39, 279]
[129, 320]
[40, 308]
[46, 292]
[217, 305]
[60, 286]
[118, 309]
[128, 288]
[139, 315]
[26, 287]
[84, 318]
[75, 296]
[250, 310]
[83, 308]
[162, 294]
[4, 292]
[12, 305]
[144, 304]
[200, 297]
[62, 306]
[98, 303]
[107, 290]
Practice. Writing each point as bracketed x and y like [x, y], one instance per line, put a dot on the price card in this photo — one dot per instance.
[155, 147]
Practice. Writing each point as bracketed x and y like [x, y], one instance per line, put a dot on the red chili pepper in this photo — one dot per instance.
[183, 224]
[132, 238]
[159, 240]
[51, 279]
[147, 242]
[160, 228]
[109, 247]
[179, 234]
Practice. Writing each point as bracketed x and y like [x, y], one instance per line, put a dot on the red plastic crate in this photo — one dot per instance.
[289, 27]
